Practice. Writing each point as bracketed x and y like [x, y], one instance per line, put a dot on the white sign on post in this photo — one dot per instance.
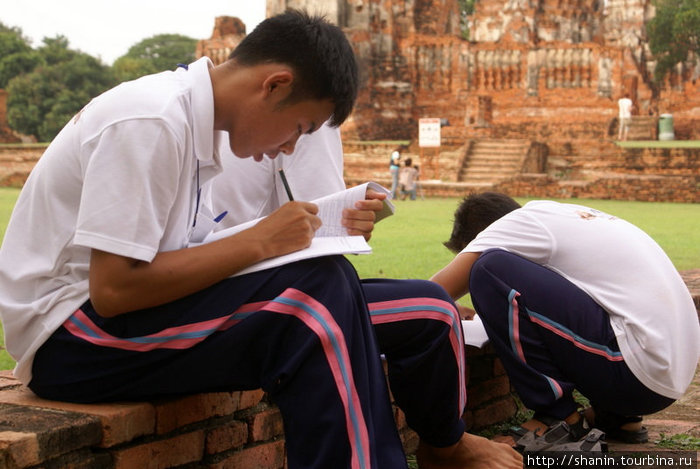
[429, 132]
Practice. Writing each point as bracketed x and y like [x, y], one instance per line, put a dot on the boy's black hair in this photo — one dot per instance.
[474, 214]
[319, 53]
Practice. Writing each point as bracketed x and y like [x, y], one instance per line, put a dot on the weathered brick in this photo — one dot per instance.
[162, 454]
[264, 456]
[175, 413]
[223, 438]
[265, 425]
[120, 421]
[56, 432]
[18, 449]
[488, 390]
[495, 412]
[498, 369]
[250, 398]
[409, 440]
[84, 458]
[400, 418]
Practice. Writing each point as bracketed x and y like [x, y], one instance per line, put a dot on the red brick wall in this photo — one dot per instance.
[236, 430]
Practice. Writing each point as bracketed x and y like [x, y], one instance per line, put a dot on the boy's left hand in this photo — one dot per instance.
[360, 220]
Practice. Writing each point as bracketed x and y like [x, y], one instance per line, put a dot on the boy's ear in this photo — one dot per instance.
[278, 83]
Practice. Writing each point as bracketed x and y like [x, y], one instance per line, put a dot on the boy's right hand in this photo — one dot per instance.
[289, 228]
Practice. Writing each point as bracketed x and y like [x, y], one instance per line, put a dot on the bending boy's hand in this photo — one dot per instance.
[466, 312]
[360, 220]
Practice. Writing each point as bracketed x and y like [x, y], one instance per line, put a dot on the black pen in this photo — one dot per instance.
[286, 184]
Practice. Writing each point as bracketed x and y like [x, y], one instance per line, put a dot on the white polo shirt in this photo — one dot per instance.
[122, 176]
[624, 271]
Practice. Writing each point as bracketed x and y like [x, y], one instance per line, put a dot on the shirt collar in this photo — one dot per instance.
[206, 139]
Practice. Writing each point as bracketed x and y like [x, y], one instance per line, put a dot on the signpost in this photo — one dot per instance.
[429, 137]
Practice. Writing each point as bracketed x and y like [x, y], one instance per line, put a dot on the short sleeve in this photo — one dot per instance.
[131, 178]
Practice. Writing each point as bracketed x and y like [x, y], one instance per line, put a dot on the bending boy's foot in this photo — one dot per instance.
[470, 452]
[540, 427]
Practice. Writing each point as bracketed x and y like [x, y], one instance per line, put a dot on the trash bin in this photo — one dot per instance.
[666, 127]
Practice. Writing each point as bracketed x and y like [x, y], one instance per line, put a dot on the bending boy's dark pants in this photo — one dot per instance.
[552, 337]
[305, 334]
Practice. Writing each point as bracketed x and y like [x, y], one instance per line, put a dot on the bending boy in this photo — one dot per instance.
[574, 298]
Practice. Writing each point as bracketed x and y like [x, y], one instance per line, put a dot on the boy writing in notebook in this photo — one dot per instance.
[101, 299]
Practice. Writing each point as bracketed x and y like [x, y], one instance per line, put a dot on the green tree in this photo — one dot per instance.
[164, 51]
[56, 50]
[41, 102]
[466, 9]
[674, 34]
[127, 68]
[16, 55]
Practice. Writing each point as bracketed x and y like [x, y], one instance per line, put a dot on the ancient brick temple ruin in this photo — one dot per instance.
[530, 99]
[529, 64]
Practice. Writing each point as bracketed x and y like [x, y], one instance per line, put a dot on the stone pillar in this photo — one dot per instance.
[484, 112]
[533, 72]
[604, 77]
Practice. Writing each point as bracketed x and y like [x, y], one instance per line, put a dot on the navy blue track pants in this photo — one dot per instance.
[309, 333]
[553, 338]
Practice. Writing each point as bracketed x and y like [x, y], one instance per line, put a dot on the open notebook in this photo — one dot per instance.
[474, 332]
[331, 238]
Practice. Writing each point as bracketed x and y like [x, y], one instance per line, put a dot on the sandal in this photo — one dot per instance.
[612, 423]
[558, 437]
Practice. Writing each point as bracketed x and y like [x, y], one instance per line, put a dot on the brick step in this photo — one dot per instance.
[241, 429]
[494, 158]
[490, 170]
[496, 154]
[493, 147]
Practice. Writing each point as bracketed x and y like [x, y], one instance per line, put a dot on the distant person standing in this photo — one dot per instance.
[394, 170]
[407, 180]
[625, 106]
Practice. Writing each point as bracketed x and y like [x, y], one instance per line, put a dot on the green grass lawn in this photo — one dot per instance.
[409, 244]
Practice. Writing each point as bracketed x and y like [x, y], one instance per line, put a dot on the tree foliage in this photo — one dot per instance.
[48, 85]
[466, 9]
[42, 101]
[164, 51]
[674, 34]
[127, 68]
[16, 55]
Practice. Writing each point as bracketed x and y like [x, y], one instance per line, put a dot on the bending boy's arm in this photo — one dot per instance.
[454, 277]
[120, 284]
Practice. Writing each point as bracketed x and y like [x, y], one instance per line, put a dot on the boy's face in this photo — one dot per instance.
[271, 127]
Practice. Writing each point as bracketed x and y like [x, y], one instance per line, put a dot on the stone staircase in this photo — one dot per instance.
[493, 160]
